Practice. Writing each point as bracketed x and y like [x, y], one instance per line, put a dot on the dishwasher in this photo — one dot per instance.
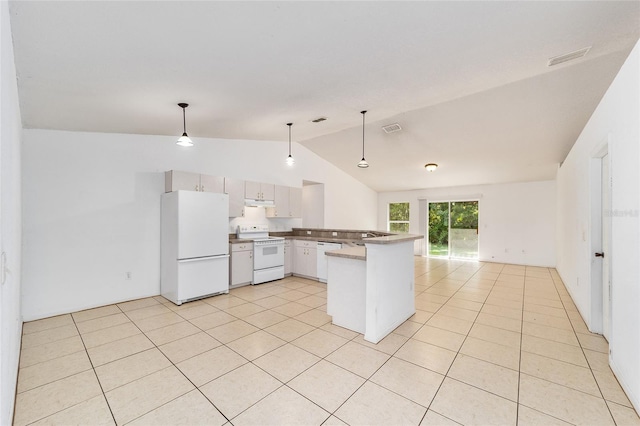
[322, 259]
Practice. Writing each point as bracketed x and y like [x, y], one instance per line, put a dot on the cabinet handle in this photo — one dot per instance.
[197, 188]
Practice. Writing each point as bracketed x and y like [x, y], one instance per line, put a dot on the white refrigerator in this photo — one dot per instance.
[194, 245]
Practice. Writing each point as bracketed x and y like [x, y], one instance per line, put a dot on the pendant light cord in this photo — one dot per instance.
[289, 124]
[184, 121]
[363, 113]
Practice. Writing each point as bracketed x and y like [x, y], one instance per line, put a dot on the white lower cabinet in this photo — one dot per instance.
[288, 258]
[241, 264]
[305, 258]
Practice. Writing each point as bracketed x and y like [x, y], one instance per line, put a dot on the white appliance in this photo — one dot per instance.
[194, 245]
[268, 253]
[322, 259]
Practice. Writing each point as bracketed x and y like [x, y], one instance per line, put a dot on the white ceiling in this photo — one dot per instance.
[467, 81]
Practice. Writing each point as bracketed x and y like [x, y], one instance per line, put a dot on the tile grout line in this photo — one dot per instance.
[555, 284]
[464, 340]
[524, 290]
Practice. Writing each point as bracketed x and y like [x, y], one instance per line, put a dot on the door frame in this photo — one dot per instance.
[596, 323]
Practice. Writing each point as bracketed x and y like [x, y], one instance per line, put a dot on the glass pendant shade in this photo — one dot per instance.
[290, 160]
[184, 140]
[363, 163]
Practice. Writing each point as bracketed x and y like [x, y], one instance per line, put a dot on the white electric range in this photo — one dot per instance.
[268, 252]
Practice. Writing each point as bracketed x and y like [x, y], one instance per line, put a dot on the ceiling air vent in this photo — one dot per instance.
[319, 120]
[568, 56]
[390, 128]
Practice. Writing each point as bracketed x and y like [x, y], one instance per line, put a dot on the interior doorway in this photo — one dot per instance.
[312, 204]
[606, 244]
[601, 253]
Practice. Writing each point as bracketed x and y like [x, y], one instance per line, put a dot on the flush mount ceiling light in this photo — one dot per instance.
[363, 163]
[290, 159]
[430, 167]
[184, 139]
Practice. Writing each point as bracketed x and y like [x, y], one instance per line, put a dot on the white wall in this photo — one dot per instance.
[516, 221]
[614, 120]
[10, 221]
[92, 208]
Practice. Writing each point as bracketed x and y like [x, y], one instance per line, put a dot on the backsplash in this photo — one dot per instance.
[257, 216]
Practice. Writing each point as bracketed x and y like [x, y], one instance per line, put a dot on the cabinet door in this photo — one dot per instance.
[252, 190]
[211, 183]
[241, 267]
[295, 202]
[299, 261]
[312, 263]
[175, 180]
[288, 267]
[281, 201]
[267, 191]
[235, 189]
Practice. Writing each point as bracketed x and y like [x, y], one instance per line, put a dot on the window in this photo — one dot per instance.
[398, 218]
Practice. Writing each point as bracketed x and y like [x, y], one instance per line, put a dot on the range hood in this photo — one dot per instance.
[249, 202]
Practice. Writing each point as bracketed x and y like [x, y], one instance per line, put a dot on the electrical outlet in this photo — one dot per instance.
[364, 235]
[308, 232]
[128, 275]
[335, 234]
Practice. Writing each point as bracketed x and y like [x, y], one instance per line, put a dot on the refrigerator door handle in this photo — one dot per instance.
[197, 259]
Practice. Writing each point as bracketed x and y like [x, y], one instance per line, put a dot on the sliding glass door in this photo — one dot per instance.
[453, 229]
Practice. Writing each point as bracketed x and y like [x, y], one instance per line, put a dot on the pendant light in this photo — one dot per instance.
[290, 159]
[184, 139]
[363, 163]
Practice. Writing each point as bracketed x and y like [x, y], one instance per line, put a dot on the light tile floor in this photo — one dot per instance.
[489, 344]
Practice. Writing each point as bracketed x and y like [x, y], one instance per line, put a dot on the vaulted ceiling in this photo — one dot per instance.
[468, 82]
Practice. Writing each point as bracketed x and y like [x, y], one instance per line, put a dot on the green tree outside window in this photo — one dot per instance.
[398, 220]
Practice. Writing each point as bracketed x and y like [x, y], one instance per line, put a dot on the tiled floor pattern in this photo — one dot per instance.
[489, 344]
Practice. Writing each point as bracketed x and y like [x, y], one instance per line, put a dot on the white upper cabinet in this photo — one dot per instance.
[211, 183]
[259, 191]
[175, 180]
[281, 201]
[235, 189]
[288, 202]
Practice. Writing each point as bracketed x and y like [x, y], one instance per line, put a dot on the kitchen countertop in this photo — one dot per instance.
[388, 239]
[357, 252]
[393, 239]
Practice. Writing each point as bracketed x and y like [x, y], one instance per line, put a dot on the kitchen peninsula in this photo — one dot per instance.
[370, 289]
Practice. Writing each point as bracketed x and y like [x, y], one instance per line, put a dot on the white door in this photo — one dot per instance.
[203, 219]
[606, 247]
